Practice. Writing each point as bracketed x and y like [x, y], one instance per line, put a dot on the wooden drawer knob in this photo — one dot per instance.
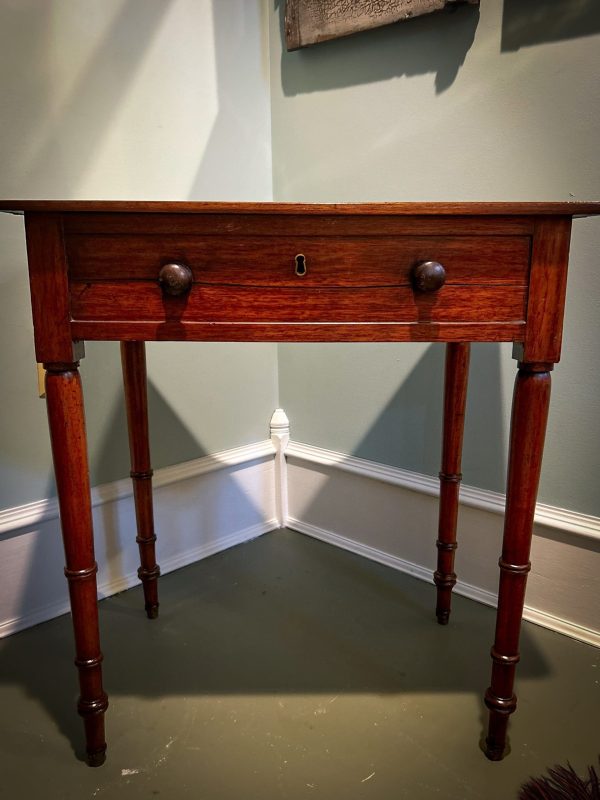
[175, 279]
[428, 276]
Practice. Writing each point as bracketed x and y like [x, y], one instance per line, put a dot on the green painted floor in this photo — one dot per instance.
[286, 668]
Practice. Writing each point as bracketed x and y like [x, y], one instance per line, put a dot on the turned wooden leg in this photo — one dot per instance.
[455, 398]
[528, 427]
[133, 359]
[69, 450]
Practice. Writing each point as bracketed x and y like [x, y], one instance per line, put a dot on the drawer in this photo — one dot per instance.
[269, 261]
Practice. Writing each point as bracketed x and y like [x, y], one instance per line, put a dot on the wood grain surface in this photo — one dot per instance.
[252, 260]
[49, 288]
[171, 331]
[571, 208]
[547, 290]
[144, 301]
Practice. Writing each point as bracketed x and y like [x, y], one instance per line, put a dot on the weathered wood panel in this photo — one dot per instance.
[311, 21]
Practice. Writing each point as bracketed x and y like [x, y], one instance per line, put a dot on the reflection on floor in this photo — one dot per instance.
[285, 668]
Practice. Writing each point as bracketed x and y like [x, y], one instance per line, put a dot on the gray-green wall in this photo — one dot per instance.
[501, 104]
[130, 99]
[163, 99]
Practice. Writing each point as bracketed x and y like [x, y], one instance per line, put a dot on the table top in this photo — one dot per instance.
[573, 209]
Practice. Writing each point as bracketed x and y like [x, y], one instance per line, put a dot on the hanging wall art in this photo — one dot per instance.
[311, 21]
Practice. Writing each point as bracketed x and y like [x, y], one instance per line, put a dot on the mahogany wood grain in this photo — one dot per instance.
[49, 289]
[528, 426]
[528, 209]
[547, 290]
[293, 223]
[133, 359]
[123, 330]
[455, 399]
[143, 301]
[252, 260]
[64, 401]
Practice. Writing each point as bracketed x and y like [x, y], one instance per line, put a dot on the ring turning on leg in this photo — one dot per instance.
[455, 397]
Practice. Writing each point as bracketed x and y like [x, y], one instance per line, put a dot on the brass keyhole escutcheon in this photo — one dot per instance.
[300, 265]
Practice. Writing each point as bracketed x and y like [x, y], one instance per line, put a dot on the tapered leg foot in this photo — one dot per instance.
[150, 591]
[528, 426]
[500, 710]
[94, 730]
[69, 451]
[96, 759]
[443, 616]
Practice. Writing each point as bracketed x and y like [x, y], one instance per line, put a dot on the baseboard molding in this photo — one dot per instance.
[12, 519]
[202, 519]
[534, 615]
[120, 584]
[357, 504]
[201, 507]
[547, 516]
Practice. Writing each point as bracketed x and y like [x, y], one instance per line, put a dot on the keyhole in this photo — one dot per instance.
[300, 265]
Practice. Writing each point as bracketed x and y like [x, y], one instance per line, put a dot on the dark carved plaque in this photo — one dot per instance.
[311, 21]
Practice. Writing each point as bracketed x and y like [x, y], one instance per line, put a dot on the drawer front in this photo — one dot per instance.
[271, 260]
[250, 278]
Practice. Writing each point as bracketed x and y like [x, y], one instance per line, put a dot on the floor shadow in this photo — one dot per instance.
[532, 22]
[407, 433]
[282, 614]
[436, 43]
[45, 670]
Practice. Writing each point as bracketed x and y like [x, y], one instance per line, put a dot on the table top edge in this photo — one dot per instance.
[518, 208]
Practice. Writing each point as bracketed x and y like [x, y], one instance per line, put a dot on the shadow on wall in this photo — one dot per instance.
[95, 97]
[234, 129]
[113, 449]
[408, 431]
[171, 442]
[537, 21]
[435, 43]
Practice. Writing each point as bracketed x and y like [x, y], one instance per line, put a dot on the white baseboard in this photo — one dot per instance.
[201, 507]
[119, 584]
[389, 515]
[561, 519]
[465, 589]
[12, 519]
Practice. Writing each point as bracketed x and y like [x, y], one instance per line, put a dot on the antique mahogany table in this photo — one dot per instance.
[428, 272]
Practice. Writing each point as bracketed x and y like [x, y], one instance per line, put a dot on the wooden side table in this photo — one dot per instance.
[454, 273]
